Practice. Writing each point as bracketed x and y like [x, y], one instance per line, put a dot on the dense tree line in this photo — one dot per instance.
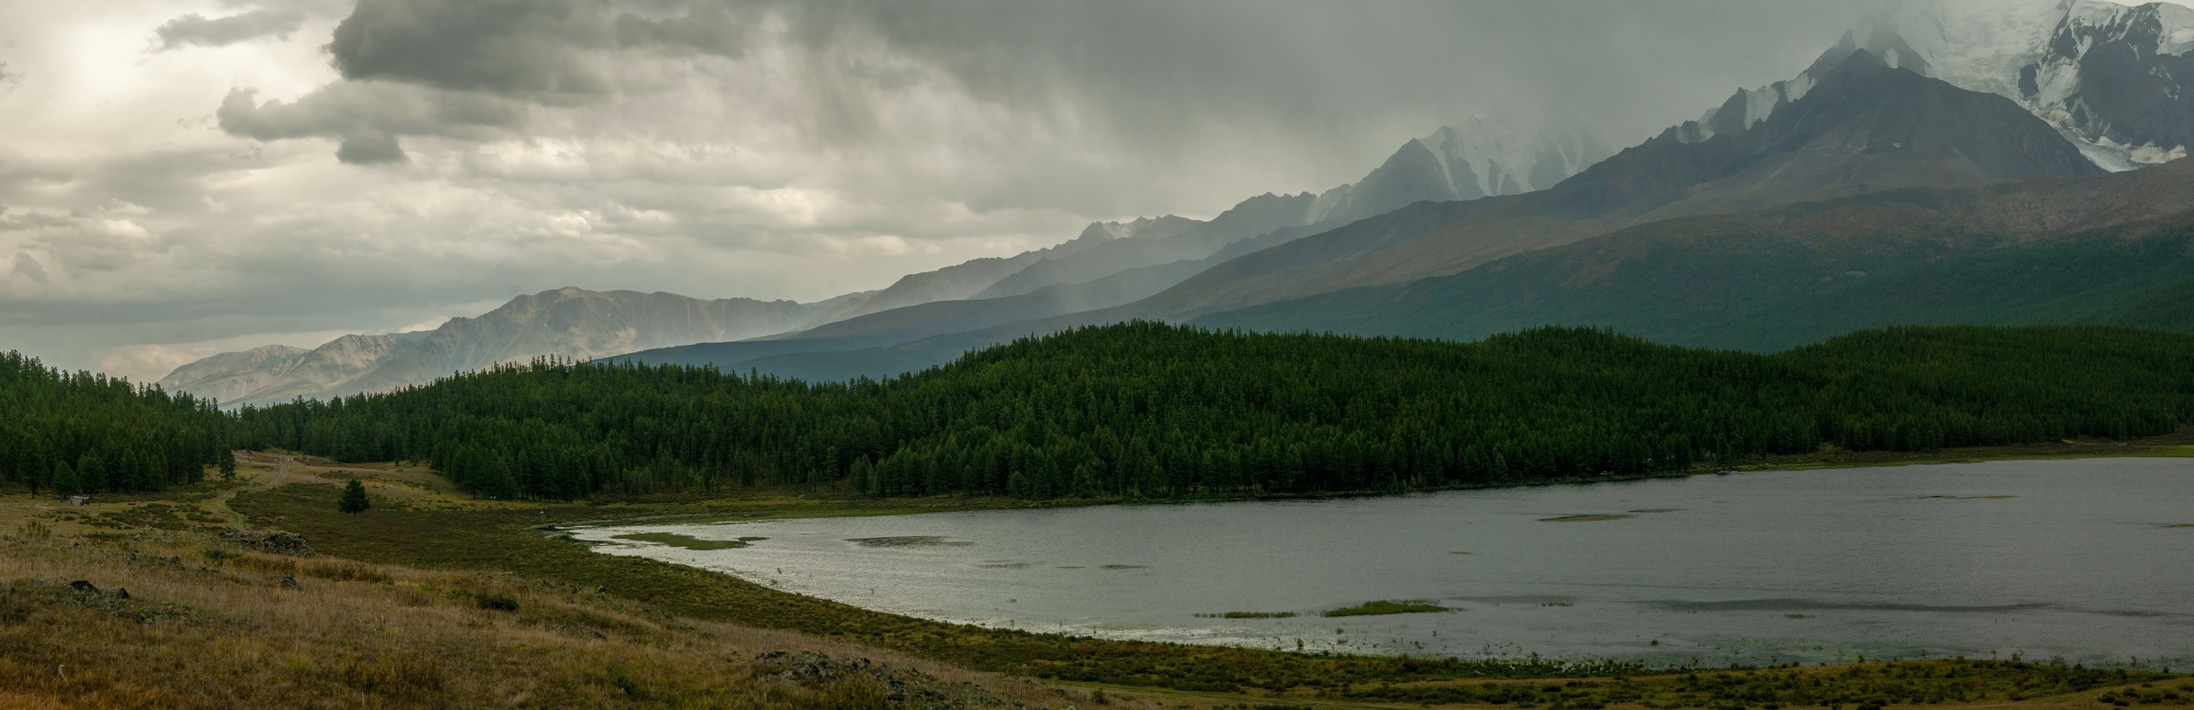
[1152, 411]
[80, 432]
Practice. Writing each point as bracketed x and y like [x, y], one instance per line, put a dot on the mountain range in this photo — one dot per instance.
[1945, 161]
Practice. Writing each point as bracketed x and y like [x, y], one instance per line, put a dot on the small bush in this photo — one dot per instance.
[495, 602]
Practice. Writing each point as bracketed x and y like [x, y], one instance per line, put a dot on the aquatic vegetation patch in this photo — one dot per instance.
[1003, 564]
[1125, 566]
[688, 541]
[1966, 497]
[1585, 518]
[1249, 615]
[908, 541]
[1379, 608]
[1657, 510]
[1867, 686]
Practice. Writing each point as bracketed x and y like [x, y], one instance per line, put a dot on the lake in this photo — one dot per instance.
[2089, 560]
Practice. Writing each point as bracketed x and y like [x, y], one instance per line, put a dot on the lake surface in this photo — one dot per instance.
[2091, 560]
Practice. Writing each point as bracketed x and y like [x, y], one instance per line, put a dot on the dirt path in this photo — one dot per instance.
[236, 519]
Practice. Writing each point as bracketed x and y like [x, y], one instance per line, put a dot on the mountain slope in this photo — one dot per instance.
[1864, 127]
[228, 376]
[1465, 161]
[2062, 250]
[568, 322]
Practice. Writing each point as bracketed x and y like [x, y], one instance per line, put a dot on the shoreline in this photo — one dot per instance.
[2179, 444]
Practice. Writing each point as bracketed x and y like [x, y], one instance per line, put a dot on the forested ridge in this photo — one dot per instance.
[83, 432]
[1144, 410]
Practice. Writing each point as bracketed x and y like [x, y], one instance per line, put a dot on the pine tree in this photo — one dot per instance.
[228, 464]
[354, 498]
[64, 480]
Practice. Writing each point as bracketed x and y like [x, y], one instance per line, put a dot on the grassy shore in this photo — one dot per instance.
[434, 599]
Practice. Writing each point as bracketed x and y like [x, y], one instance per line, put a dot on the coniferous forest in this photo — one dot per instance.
[1145, 410]
[81, 432]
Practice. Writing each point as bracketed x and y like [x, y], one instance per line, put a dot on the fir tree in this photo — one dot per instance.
[354, 498]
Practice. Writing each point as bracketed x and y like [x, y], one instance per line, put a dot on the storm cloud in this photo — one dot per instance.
[371, 165]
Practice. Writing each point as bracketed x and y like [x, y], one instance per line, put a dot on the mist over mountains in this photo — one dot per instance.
[1945, 162]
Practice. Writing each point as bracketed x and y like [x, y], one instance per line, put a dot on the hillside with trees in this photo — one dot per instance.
[82, 432]
[1150, 411]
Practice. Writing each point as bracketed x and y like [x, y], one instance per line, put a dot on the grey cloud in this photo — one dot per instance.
[1161, 74]
[505, 46]
[540, 49]
[27, 268]
[708, 27]
[198, 30]
[370, 149]
[10, 222]
[371, 113]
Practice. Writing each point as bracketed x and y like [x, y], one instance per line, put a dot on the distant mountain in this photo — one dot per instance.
[231, 376]
[566, 322]
[969, 278]
[1466, 161]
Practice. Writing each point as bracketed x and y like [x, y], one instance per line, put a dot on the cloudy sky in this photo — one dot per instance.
[182, 177]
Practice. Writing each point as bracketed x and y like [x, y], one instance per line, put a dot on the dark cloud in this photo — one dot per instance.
[367, 116]
[370, 149]
[543, 49]
[530, 47]
[198, 30]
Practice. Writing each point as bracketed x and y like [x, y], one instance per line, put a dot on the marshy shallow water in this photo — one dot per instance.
[2091, 560]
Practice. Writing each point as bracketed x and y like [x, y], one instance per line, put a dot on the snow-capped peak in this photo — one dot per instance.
[2034, 52]
[1478, 157]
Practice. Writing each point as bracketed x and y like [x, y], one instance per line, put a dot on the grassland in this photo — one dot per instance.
[432, 599]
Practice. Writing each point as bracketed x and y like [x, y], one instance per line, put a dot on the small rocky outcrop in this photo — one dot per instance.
[272, 541]
[903, 688]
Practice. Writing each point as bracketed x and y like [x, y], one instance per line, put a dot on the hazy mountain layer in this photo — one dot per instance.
[567, 322]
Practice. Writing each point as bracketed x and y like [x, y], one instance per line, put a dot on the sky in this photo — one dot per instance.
[180, 178]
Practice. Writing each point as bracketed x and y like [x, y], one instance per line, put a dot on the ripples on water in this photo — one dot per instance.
[2092, 560]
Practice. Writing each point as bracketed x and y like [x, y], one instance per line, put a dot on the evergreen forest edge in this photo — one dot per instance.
[1148, 411]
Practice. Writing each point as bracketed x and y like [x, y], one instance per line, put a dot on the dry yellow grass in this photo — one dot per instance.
[208, 626]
